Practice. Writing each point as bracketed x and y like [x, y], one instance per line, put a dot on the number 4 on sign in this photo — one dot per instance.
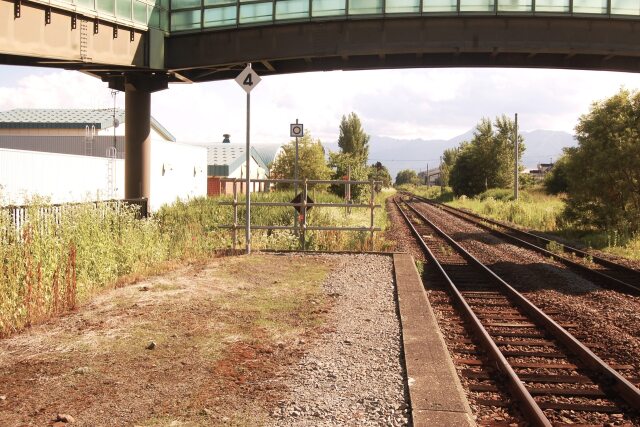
[248, 79]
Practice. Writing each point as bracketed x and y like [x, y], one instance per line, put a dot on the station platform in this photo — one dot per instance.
[435, 392]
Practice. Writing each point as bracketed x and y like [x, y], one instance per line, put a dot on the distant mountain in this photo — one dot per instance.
[399, 154]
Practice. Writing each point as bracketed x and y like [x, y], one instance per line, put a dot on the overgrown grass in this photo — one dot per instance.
[48, 267]
[538, 211]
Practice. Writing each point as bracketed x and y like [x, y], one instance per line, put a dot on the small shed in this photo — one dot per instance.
[229, 161]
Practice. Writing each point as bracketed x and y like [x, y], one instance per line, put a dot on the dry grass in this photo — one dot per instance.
[223, 330]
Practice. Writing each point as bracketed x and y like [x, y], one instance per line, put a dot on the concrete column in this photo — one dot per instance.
[137, 125]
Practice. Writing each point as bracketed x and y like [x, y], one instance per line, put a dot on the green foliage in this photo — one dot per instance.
[407, 176]
[311, 161]
[449, 157]
[534, 209]
[379, 172]
[359, 172]
[603, 172]
[556, 181]
[487, 160]
[353, 154]
[52, 262]
[353, 139]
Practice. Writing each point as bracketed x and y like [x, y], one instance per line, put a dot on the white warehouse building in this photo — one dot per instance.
[75, 155]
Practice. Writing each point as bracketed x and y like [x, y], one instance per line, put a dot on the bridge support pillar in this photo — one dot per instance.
[137, 128]
[137, 143]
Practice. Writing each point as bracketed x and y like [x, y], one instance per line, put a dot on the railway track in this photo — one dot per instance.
[597, 269]
[506, 348]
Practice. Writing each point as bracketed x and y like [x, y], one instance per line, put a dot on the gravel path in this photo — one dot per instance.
[352, 375]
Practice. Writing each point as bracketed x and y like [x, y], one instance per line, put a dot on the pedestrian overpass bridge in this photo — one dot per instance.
[139, 46]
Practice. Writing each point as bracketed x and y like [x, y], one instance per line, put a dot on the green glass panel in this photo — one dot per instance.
[257, 12]
[361, 7]
[164, 4]
[439, 6]
[292, 9]
[140, 12]
[155, 18]
[186, 20]
[328, 7]
[402, 6]
[218, 2]
[164, 20]
[123, 9]
[555, 6]
[106, 6]
[625, 7]
[477, 5]
[590, 6]
[89, 4]
[184, 4]
[514, 6]
[220, 16]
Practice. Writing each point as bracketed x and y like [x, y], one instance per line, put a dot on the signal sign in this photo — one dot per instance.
[296, 130]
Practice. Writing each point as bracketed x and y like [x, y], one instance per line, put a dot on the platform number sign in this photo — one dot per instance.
[296, 130]
[248, 79]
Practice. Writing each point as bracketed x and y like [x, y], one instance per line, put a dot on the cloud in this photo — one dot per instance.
[406, 104]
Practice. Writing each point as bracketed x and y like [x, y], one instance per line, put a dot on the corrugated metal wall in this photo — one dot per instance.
[63, 144]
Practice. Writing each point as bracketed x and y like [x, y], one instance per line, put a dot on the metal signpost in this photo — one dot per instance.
[248, 79]
[296, 130]
[515, 171]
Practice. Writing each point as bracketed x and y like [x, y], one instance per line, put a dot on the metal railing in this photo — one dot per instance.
[301, 227]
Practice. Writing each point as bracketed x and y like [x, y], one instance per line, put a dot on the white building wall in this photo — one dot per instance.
[60, 177]
[256, 173]
[184, 176]
[70, 178]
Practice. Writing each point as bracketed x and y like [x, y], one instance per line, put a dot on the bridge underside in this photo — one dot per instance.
[460, 41]
[140, 62]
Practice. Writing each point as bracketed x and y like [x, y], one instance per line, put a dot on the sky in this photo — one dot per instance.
[401, 104]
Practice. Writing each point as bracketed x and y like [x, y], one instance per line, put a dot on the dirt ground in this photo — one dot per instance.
[202, 345]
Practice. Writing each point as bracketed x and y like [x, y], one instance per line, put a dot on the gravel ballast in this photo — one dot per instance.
[353, 374]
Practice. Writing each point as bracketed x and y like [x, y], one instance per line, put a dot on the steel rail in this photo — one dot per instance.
[291, 227]
[608, 376]
[529, 405]
[612, 281]
[308, 205]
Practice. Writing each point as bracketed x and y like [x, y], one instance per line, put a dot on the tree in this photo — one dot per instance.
[603, 172]
[379, 172]
[556, 180]
[343, 163]
[448, 160]
[353, 155]
[487, 160]
[311, 161]
[407, 176]
[353, 139]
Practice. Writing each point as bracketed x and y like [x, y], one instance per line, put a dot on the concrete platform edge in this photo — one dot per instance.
[435, 392]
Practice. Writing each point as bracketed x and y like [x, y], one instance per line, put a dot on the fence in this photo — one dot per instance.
[301, 225]
[19, 215]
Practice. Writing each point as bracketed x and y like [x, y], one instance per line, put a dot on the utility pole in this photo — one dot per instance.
[515, 166]
[427, 176]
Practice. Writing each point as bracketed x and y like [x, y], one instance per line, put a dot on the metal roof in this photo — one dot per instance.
[77, 118]
[268, 152]
[231, 156]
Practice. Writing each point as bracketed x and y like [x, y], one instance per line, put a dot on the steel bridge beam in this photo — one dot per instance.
[457, 41]
[37, 35]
